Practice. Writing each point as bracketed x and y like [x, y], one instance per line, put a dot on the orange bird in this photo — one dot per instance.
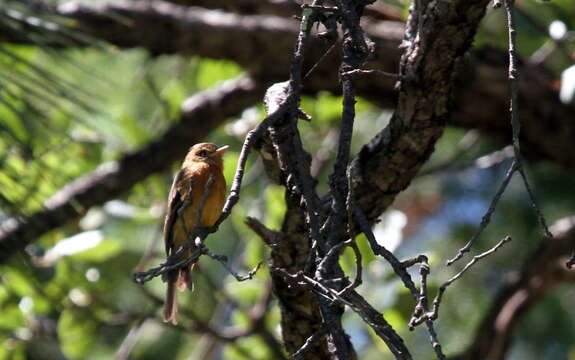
[189, 191]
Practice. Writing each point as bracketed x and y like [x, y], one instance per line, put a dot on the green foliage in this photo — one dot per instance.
[77, 333]
[63, 113]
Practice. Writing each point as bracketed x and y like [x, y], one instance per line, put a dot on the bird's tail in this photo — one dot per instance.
[171, 303]
[181, 280]
[185, 278]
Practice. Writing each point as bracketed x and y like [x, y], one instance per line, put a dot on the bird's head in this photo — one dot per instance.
[206, 152]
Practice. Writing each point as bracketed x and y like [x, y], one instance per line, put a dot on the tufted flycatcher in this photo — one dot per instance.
[187, 199]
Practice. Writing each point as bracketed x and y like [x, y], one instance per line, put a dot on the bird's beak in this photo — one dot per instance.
[220, 151]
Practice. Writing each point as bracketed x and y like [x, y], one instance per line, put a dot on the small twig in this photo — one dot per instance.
[514, 109]
[434, 340]
[130, 340]
[421, 314]
[249, 142]
[513, 77]
[421, 306]
[332, 254]
[407, 263]
[421, 309]
[169, 264]
[322, 8]
[303, 281]
[443, 287]
[535, 206]
[400, 269]
[486, 219]
[359, 270]
[270, 237]
[380, 250]
[307, 346]
[319, 61]
[224, 261]
[356, 72]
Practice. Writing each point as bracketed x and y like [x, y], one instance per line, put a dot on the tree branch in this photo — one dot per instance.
[201, 114]
[538, 276]
[547, 130]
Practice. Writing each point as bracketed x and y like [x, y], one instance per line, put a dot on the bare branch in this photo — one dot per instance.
[298, 355]
[513, 108]
[270, 237]
[539, 275]
[201, 114]
[422, 316]
[552, 141]
[370, 72]
[224, 261]
[130, 340]
[486, 219]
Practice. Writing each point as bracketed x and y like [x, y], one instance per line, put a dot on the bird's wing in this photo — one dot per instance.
[175, 202]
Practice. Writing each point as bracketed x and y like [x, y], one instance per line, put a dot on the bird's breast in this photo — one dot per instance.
[215, 196]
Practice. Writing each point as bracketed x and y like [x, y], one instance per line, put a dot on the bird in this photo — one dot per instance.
[196, 199]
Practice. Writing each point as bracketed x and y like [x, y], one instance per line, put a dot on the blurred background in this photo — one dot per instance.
[71, 101]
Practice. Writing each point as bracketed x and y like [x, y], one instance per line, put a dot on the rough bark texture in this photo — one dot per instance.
[300, 311]
[260, 37]
[480, 102]
[400, 150]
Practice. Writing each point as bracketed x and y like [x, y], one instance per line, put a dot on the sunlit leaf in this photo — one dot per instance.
[18, 282]
[77, 333]
[102, 252]
[11, 318]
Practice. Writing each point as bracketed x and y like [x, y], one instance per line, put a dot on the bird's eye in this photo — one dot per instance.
[203, 153]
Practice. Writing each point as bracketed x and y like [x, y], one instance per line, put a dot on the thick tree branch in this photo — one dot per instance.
[436, 39]
[201, 114]
[167, 28]
[285, 8]
[415, 127]
[548, 129]
[162, 27]
[301, 316]
[436, 48]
